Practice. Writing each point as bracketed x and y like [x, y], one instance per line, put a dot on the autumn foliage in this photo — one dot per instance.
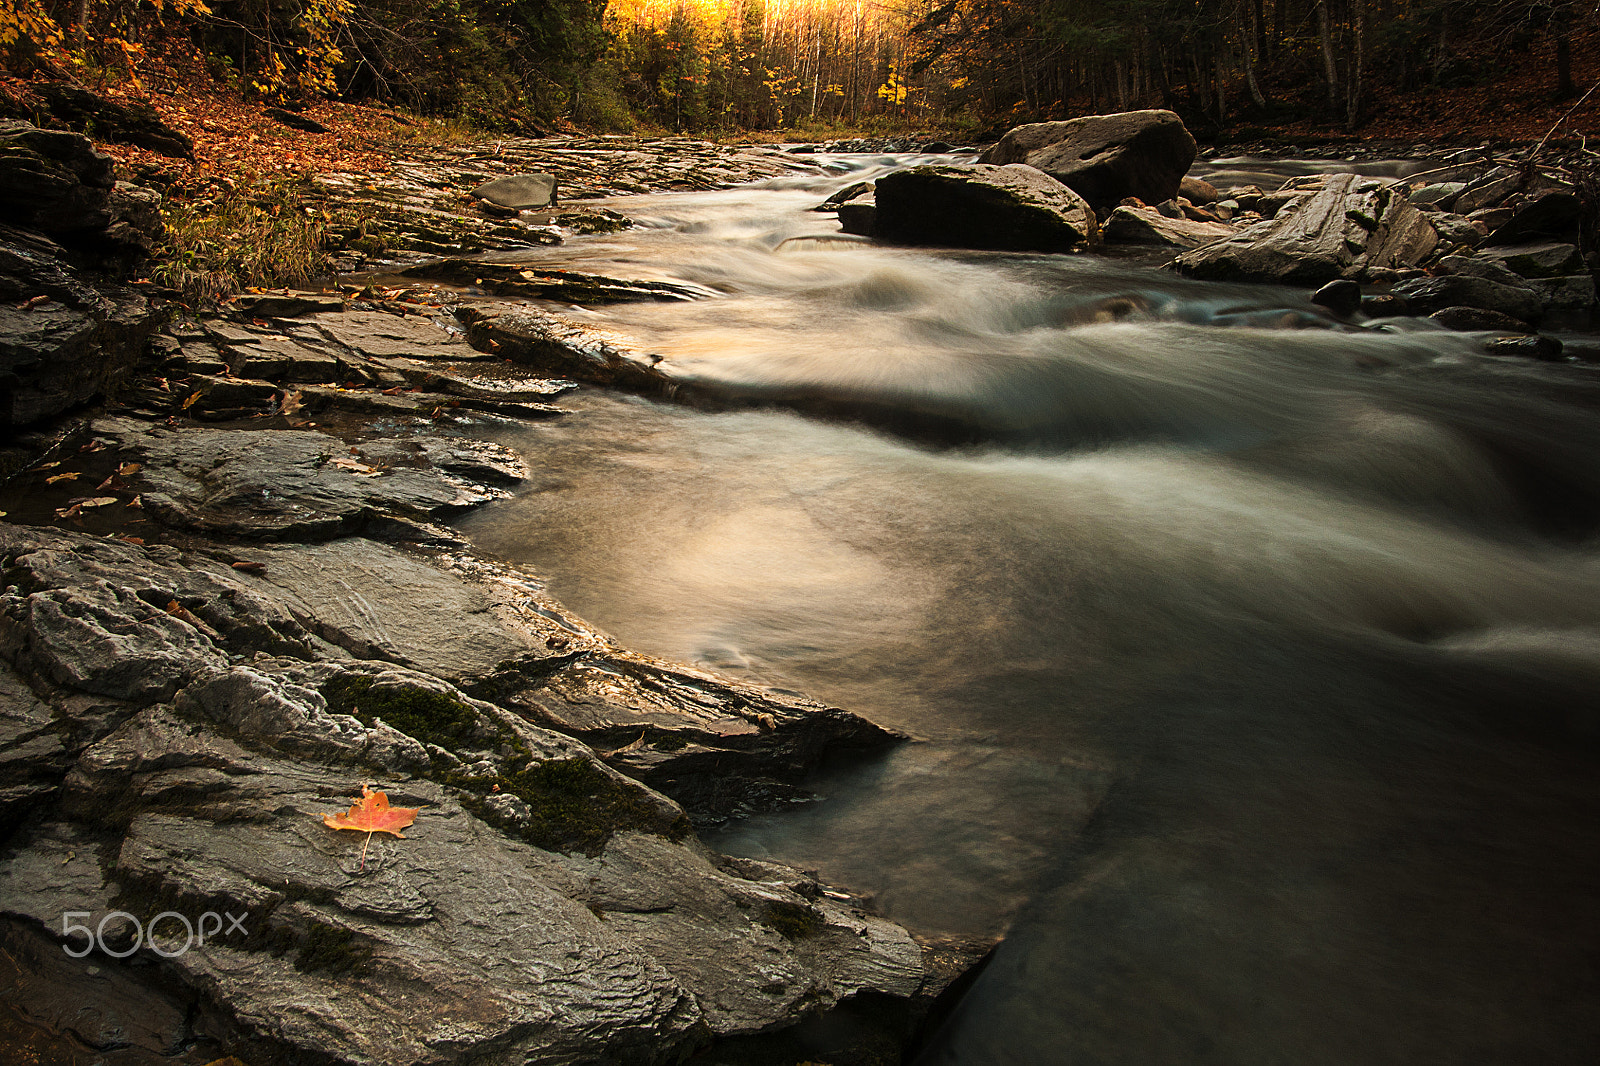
[372, 814]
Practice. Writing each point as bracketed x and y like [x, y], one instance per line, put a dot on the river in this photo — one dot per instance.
[1251, 658]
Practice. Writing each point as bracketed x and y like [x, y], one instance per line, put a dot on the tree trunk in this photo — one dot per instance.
[1563, 28]
[1257, 37]
[1218, 73]
[1358, 22]
[1330, 69]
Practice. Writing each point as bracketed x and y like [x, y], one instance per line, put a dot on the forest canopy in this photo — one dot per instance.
[716, 65]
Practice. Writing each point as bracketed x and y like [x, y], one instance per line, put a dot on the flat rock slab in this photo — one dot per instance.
[287, 304]
[542, 905]
[556, 346]
[275, 484]
[1011, 208]
[567, 286]
[378, 602]
[378, 334]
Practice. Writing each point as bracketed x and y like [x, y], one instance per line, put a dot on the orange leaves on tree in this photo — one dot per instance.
[372, 814]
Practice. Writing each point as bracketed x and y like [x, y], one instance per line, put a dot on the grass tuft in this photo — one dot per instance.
[264, 235]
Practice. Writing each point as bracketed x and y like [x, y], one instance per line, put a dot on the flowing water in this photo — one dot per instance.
[1252, 659]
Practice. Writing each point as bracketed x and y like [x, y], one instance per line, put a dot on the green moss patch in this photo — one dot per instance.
[573, 805]
[430, 717]
[792, 921]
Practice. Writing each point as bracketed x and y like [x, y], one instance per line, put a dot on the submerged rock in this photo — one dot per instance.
[1011, 208]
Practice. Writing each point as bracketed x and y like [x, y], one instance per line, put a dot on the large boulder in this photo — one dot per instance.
[1349, 225]
[1546, 215]
[56, 183]
[1541, 259]
[1011, 208]
[52, 181]
[1105, 158]
[64, 338]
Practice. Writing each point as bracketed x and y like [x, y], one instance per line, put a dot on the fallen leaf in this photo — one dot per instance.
[74, 511]
[250, 567]
[183, 614]
[98, 501]
[635, 746]
[133, 540]
[29, 305]
[70, 476]
[190, 401]
[137, 501]
[48, 466]
[354, 466]
[372, 814]
[129, 469]
[291, 402]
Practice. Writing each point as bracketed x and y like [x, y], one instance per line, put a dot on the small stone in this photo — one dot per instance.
[1342, 297]
[1527, 345]
[1476, 319]
[1383, 305]
[519, 191]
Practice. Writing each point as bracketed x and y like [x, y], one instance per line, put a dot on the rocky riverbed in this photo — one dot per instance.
[232, 601]
[230, 605]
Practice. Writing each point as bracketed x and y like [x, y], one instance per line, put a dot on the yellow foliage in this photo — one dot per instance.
[27, 20]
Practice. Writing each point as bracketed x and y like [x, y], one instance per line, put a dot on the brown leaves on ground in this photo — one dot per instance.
[233, 138]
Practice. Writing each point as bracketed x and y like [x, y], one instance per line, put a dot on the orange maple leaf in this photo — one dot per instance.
[372, 814]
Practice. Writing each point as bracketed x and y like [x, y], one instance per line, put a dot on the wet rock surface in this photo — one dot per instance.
[66, 336]
[177, 720]
[252, 612]
[424, 203]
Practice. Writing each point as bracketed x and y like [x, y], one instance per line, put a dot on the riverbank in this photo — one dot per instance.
[232, 604]
[234, 600]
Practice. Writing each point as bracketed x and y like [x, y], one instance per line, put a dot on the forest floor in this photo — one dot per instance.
[236, 140]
